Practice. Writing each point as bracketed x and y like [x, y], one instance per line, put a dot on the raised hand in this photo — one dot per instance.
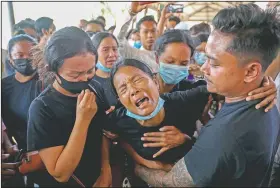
[86, 106]
[136, 7]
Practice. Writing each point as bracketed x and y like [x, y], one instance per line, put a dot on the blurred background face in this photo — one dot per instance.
[221, 71]
[108, 52]
[83, 24]
[92, 27]
[21, 50]
[170, 24]
[176, 54]
[135, 36]
[148, 34]
[136, 90]
[78, 68]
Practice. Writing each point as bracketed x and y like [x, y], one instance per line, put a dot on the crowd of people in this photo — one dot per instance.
[160, 105]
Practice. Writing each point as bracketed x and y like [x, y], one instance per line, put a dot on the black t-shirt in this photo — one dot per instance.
[236, 148]
[16, 99]
[51, 120]
[182, 109]
[108, 90]
[187, 84]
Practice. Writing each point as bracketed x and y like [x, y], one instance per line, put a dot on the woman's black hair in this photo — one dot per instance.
[129, 62]
[98, 38]
[66, 43]
[18, 38]
[173, 36]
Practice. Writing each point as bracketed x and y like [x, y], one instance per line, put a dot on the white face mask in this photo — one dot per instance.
[131, 42]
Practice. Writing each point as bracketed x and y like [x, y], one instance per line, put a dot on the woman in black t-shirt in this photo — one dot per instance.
[19, 89]
[107, 48]
[66, 121]
[145, 110]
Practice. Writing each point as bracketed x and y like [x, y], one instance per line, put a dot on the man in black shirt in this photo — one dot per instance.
[238, 146]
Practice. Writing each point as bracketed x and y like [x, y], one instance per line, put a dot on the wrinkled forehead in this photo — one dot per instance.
[126, 73]
[218, 42]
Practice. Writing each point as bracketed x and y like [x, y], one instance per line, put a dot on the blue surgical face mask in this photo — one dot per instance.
[137, 44]
[172, 74]
[153, 114]
[200, 58]
[102, 67]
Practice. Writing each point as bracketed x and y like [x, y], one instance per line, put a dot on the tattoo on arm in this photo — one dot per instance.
[151, 176]
[177, 177]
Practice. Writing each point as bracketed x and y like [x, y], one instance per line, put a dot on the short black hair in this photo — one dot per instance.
[101, 17]
[98, 38]
[30, 20]
[145, 18]
[18, 38]
[123, 62]
[43, 23]
[96, 22]
[21, 26]
[173, 36]
[255, 32]
[200, 28]
[130, 32]
[66, 43]
[175, 19]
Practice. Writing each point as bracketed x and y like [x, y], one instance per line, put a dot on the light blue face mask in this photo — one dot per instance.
[137, 44]
[102, 67]
[200, 58]
[153, 114]
[172, 74]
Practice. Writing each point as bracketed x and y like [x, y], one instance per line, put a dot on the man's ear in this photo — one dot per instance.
[253, 71]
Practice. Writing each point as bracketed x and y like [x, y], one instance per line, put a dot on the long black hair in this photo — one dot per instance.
[173, 36]
[66, 43]
[98, 38]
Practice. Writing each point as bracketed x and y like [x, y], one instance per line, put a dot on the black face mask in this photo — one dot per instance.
[24, 66]
[73, 87]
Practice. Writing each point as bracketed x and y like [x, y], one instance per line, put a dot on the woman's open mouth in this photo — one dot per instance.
[142, 102]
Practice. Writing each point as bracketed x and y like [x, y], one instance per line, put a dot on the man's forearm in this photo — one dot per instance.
[160, 26]
[124, 27]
